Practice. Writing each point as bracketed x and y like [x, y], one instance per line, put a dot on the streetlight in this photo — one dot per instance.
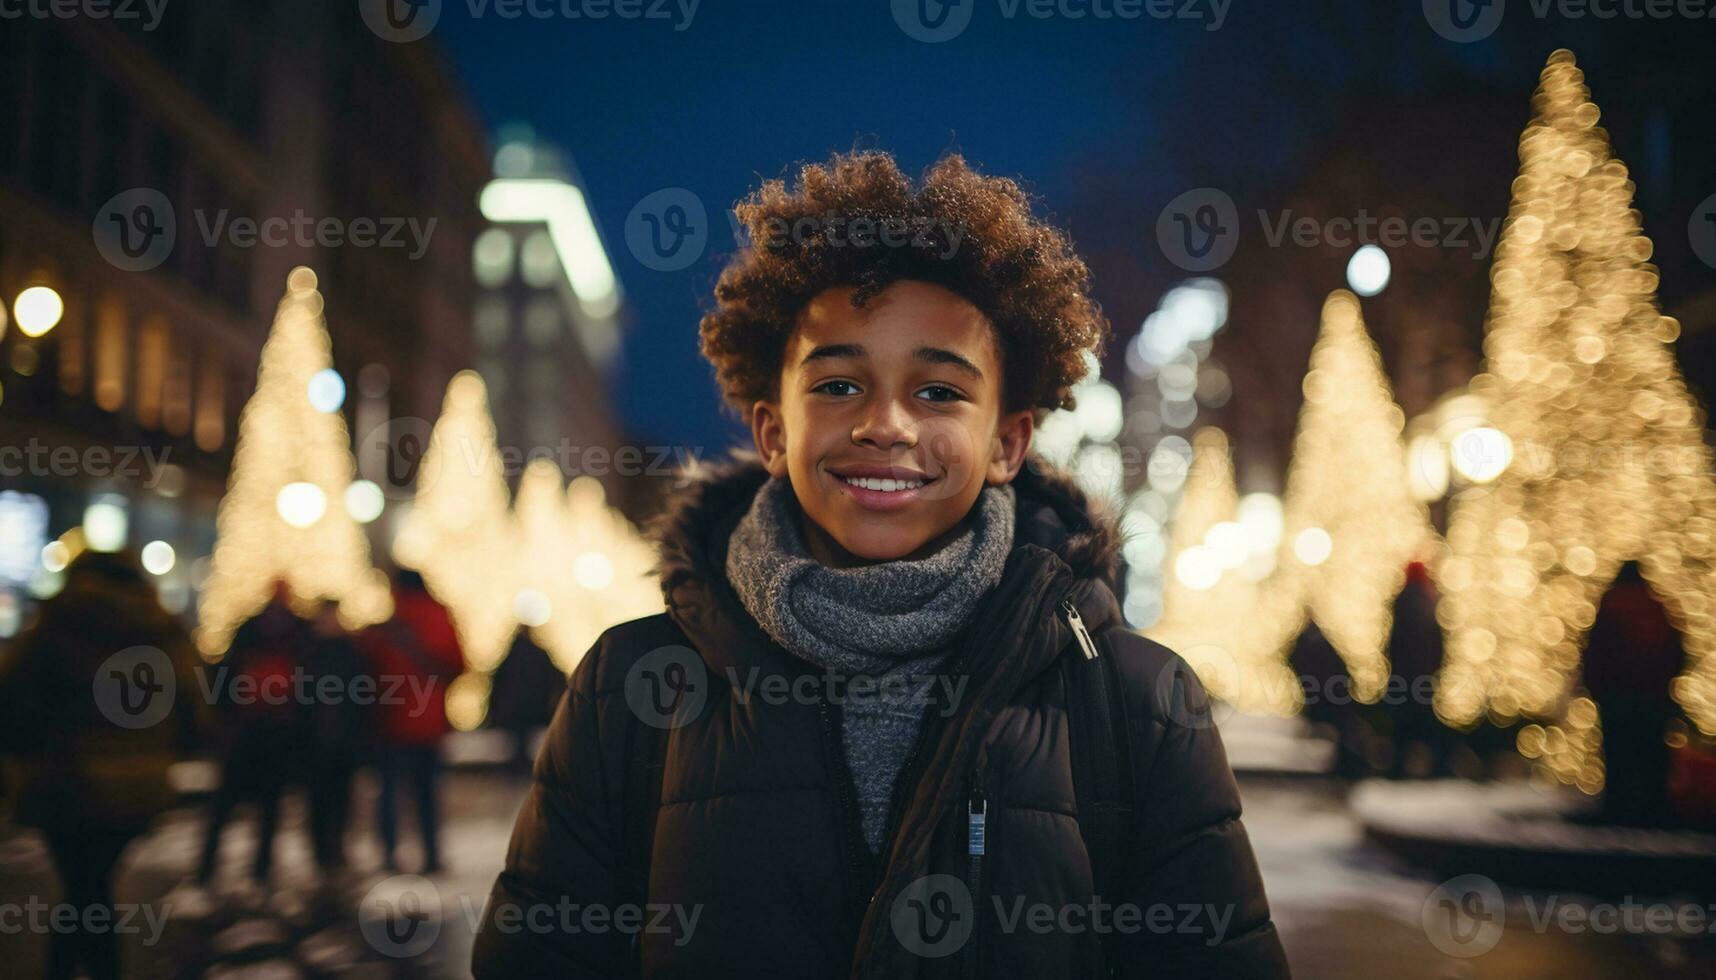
[37, 310]
[1368, 270]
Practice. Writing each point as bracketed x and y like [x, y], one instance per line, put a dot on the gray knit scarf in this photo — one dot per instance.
[889, 622]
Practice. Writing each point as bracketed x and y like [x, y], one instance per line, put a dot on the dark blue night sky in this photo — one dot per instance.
[1104, 119]
[751, 88]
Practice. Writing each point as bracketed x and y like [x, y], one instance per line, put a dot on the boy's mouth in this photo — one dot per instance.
[882, 487]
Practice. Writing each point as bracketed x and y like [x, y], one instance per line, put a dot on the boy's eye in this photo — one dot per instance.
[940, 393]
[829, 386]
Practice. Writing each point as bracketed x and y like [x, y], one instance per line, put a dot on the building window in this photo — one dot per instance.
[491, 257]
[494, 377]
[176, 390]
[211, 405]
[542, 322]
[151, 371]
[491, 322]
[72, 373]
[110, 341]
[539, 263]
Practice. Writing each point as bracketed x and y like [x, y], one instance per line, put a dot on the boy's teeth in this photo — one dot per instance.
[874, 483]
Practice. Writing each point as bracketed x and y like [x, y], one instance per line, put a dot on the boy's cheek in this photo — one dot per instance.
[948, 449]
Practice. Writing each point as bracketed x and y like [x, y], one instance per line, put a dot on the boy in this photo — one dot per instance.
[849, 746]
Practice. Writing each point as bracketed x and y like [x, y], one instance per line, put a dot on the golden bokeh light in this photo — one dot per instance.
[1611, 464]
[273, 523]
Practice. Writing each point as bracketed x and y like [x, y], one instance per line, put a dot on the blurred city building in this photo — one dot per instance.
[548, 316]
[364, 150]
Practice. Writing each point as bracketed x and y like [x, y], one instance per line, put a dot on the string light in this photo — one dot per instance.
[560, 561]
[1351, 516]
[1240, 657]
[1609, 464]
[607, 580]
[290, 459]
[1350, 524]
[457, 534]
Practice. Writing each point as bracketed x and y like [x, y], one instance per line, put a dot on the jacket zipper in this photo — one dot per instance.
[906, 779]
[1077, 623]
[847, 808]
[1089, 648]
[976, 844]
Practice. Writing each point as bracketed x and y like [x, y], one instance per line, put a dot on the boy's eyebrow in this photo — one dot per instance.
[933, 355]
[941, 355]
[833, 350]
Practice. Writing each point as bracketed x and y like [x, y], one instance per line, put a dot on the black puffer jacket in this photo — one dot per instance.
[758, 836]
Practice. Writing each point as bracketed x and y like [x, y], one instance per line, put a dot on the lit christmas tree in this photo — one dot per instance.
[1352, 522]
[283, 516]
[1219, 610]
[1608, 462]
[457, 533]
[564, 565]
[587, 558]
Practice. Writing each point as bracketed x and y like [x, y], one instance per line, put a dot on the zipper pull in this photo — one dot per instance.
[1077, 623]
[977, 814]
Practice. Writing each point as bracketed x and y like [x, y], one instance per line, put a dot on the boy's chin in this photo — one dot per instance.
[880, 544]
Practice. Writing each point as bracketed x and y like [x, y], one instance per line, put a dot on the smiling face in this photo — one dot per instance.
[888, 421]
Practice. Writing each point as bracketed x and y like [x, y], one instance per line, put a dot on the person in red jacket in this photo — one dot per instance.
[414, 656]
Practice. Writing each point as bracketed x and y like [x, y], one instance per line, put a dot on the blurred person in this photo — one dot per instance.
[524, 690]
[261, 721]
[92, 781]
[333, 733]
[1422, 744]
[950, 599]
[1329, 703]
[414, 656]
[1632, 656]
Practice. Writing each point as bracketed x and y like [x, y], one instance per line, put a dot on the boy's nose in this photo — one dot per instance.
[886, 425]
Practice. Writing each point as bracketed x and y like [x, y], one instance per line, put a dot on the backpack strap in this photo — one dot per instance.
[646, 759]
[1101, 767]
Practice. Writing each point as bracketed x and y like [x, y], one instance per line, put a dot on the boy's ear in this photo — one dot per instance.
[1012, 442]
[769, 433]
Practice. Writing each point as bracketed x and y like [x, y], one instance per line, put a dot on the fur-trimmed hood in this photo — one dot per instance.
[691, 535]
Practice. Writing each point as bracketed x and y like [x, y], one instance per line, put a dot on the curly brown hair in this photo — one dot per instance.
[857, 221]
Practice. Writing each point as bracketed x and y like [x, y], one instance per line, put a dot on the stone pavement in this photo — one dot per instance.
[1347, 910]
[303, 927]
